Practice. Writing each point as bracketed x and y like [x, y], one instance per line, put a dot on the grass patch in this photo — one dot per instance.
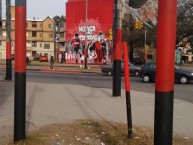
[92, 132]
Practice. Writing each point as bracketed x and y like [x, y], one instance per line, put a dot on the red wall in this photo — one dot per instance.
[100, 17]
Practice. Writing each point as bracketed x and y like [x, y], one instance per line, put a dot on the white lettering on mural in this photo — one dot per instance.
[87, 29]
[89, 37]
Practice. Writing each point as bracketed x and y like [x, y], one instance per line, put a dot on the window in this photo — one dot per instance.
[4, 24]
[40, 35]
[34, 34]
[50, 35]
[4, 33]
[34, 53]
[62, 35]
[151, 66]
[34, 24]
[1, 33]
[40, 44]
[34, 44]
[45, 54]
[46, 46]
[50, 25]
[0, 43]
[149, 56]
[29, 44]
[26, 24]
[40, 25]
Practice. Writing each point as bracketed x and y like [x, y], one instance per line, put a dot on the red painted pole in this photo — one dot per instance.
[20, 70]
[117, 49]
[164, 91]
[127, 89]
[8, 61]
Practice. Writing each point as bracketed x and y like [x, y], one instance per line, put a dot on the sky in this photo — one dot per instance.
[41, 8]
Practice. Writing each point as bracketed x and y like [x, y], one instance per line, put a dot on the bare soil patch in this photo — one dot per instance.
[92, 132]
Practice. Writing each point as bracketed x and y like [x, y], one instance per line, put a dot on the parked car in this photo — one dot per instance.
[137, 61]
[108, 69]
[43, 59]
[148, 71]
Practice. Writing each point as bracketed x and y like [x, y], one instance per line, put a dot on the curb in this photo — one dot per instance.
[66, 71]
[60, 70]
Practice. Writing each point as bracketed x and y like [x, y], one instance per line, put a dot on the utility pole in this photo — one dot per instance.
[86, 41]
[8, 41]
[117, 49]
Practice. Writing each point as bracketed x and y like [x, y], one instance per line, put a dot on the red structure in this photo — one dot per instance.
[100, 18]
[164, 87]
[127, 90]
[20, 71]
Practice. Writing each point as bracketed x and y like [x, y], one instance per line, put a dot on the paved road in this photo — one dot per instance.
[182, 92]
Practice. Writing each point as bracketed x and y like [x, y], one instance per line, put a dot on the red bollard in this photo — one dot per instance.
[127, 89]
[164, 91]
[20, 71]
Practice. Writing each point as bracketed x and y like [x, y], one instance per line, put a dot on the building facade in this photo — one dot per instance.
[40, 37]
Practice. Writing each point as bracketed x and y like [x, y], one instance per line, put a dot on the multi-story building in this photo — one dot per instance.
[40, 37]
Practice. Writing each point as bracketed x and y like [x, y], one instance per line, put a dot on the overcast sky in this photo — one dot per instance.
[41, 8]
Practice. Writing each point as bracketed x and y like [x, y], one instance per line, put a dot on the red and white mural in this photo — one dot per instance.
[95, 31]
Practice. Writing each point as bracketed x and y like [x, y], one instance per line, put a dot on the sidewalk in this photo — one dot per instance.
[72, 102]
[58, 67]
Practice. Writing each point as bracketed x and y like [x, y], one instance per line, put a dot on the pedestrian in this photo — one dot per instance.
[60, 57]
[28, 61]
[52, 63]
[77, 46]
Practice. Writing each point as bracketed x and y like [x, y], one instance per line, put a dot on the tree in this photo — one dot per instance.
[56, 20]
[184, 23]
[136, 37]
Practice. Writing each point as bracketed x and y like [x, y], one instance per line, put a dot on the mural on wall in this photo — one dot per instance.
[98, 44]
[94, 34]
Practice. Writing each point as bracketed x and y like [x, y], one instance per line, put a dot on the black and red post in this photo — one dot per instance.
[164, 91]
[127, 89]
[117, 49]
[8, 75]
[117, 64]
[20, 70]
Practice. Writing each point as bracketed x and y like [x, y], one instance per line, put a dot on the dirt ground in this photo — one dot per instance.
[91, 132]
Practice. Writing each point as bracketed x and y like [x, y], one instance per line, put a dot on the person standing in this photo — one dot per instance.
[52, 63]
[76, 44]
[60, 57]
